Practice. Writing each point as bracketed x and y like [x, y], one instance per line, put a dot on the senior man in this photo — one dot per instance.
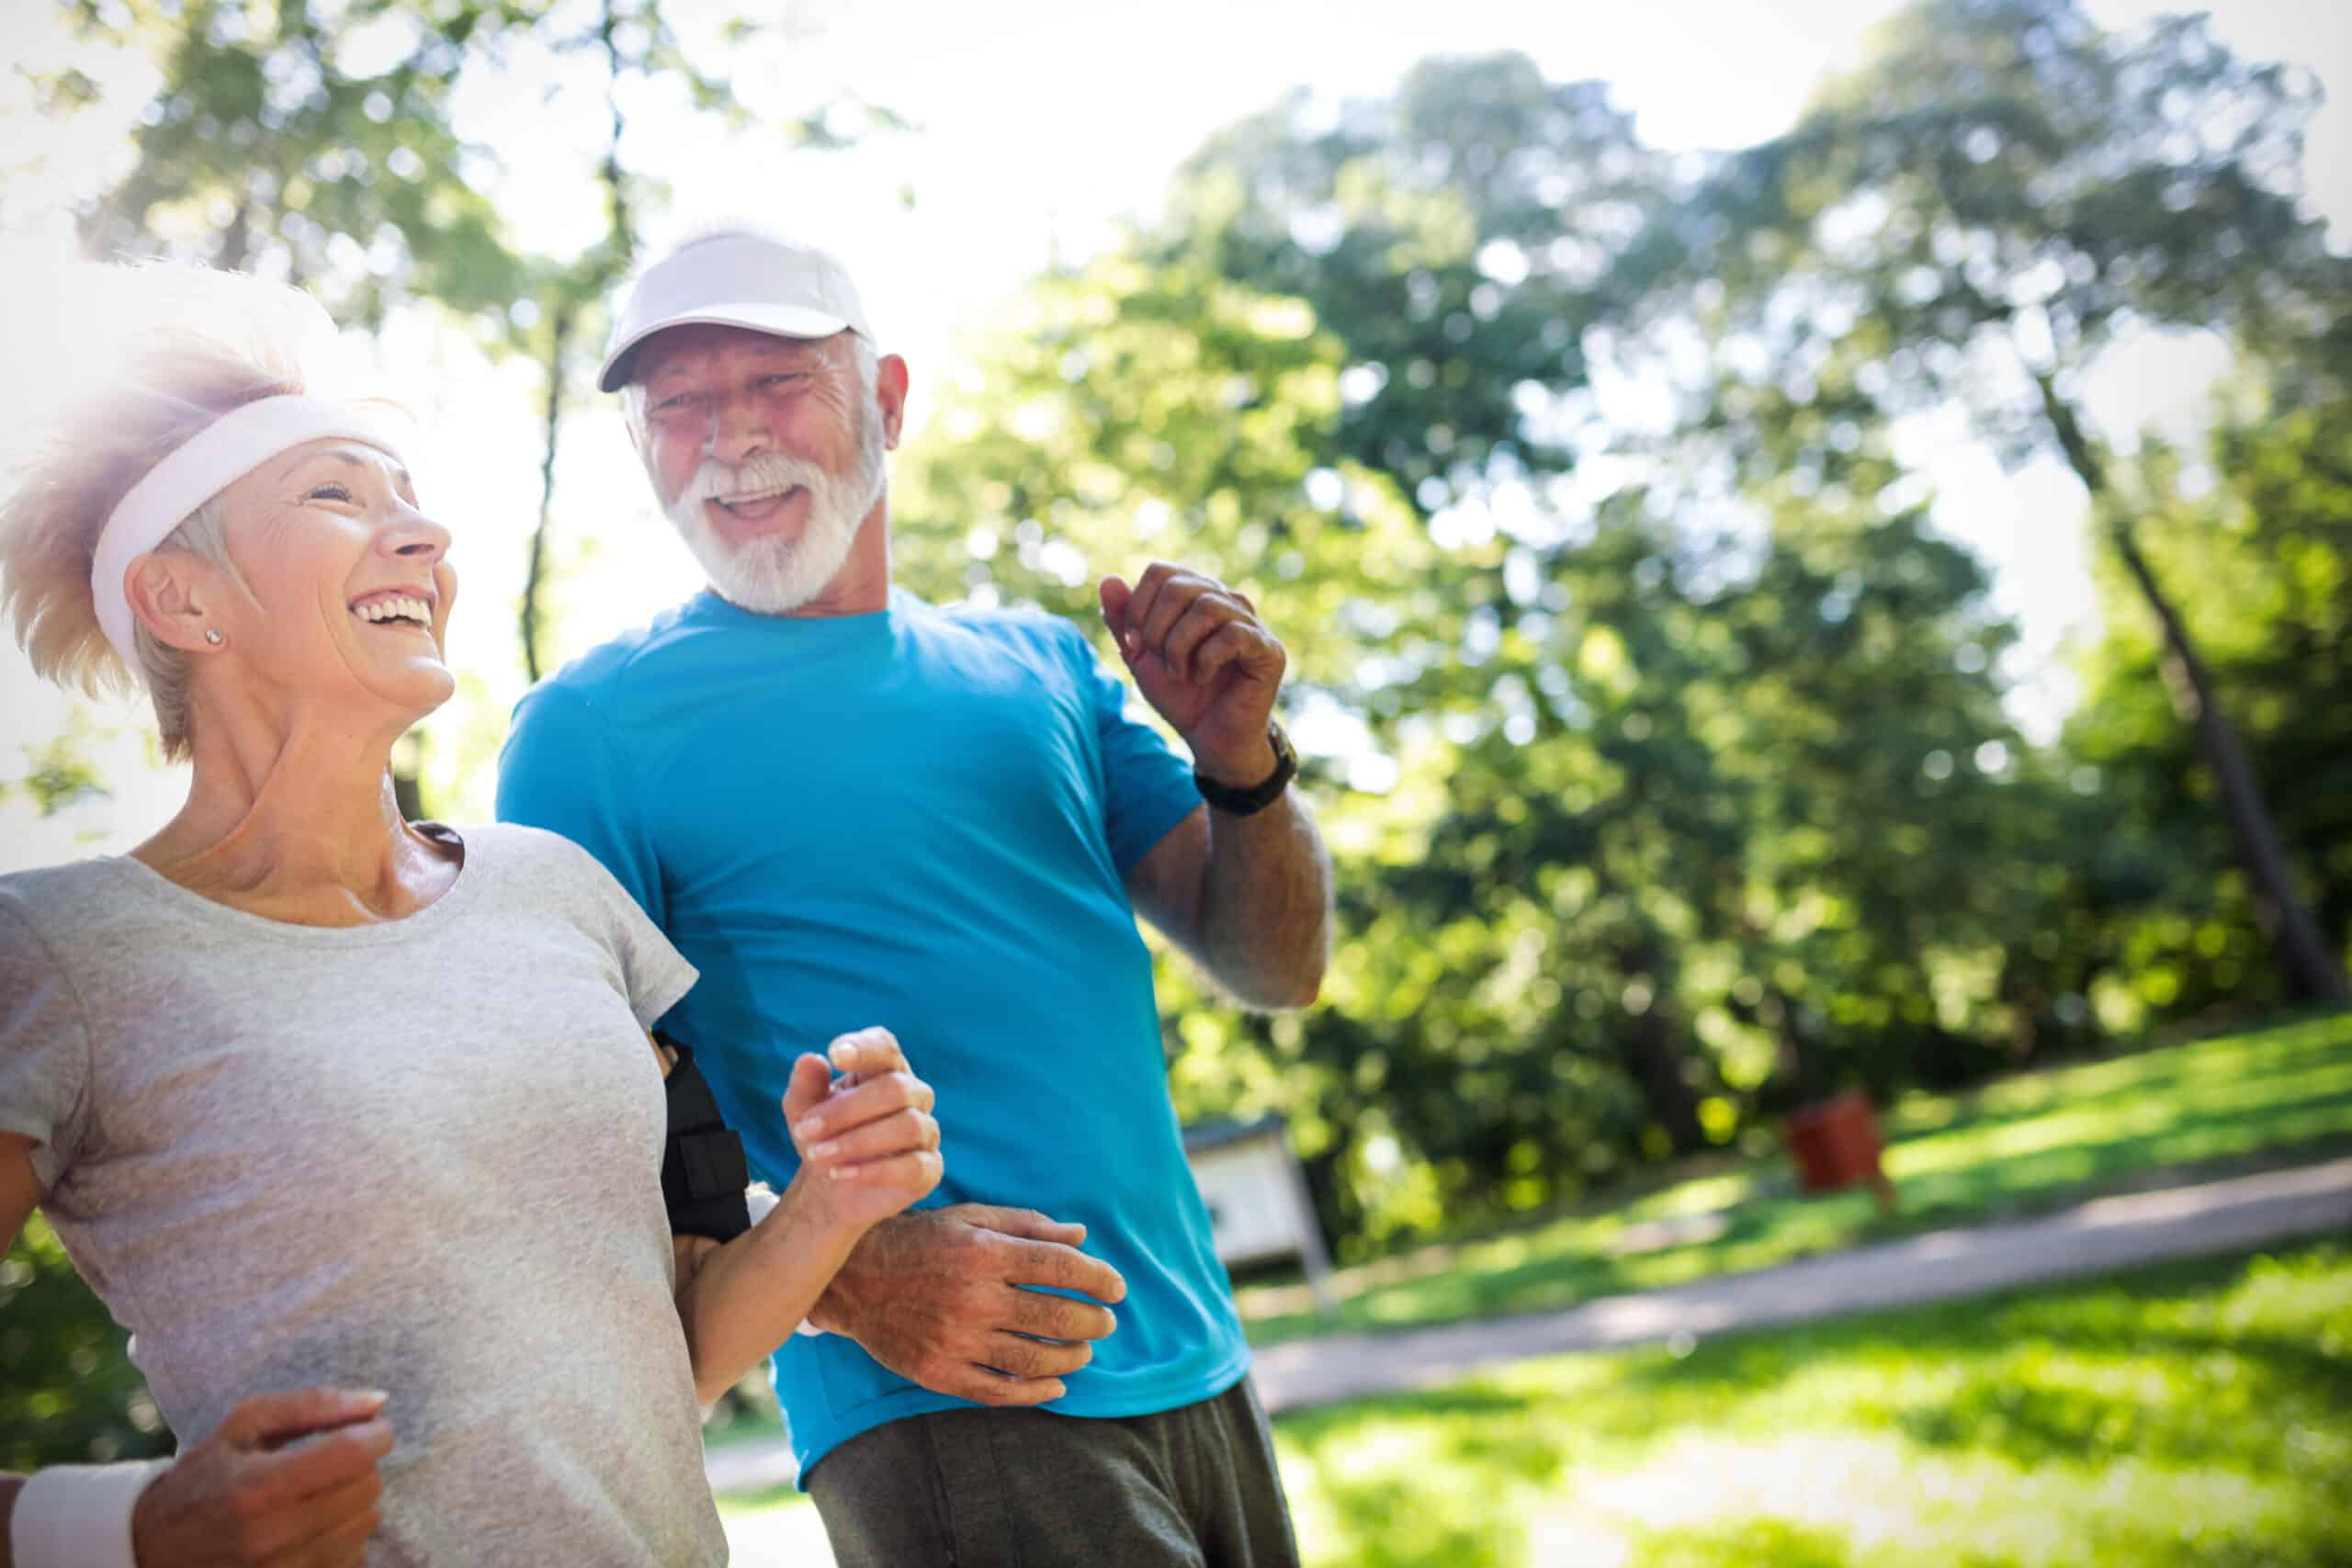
[846, 806]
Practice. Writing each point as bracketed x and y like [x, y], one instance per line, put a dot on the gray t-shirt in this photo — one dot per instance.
[423, 1156]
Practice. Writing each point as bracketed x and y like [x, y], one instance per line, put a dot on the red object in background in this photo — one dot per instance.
[1835, 1144]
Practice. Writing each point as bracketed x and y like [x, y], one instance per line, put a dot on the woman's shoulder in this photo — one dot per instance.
[532, 857]
[75, 920]
[51, 881]
[506, 847]
[57, 897]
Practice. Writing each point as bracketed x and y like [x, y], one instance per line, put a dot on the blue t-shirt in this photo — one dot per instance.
[920, 818]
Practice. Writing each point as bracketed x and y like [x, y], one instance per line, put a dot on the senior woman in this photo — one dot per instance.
[354, 1123]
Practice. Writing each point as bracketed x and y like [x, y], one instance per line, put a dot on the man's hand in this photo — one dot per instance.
[1200, 655]
[868, 1145]
[936, 1297]
[287, 1480]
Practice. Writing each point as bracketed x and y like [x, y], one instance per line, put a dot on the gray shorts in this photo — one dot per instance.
[1195, 1486]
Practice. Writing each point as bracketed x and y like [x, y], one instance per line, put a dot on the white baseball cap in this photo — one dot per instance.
[735, 279]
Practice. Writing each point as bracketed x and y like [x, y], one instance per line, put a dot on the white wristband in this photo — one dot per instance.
[760, 1201]
[78, 1516]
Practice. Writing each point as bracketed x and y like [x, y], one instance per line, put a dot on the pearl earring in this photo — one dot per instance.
[213, 636]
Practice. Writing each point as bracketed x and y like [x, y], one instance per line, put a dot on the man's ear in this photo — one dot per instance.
[890, 396]
[172, 595]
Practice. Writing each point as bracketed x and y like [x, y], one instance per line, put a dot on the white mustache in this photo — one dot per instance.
[767, 471]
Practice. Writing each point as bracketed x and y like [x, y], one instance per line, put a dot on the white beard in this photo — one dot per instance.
[774, 576]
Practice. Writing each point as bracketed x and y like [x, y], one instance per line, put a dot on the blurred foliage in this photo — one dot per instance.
[58, 771]
[1998, 193]
[1968, 219]
[2262, 524]
[2194, 1415]
[68, 1391]
[316, 141]
[269, 149]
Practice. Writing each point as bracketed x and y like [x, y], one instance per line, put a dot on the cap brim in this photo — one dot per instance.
[777, 321]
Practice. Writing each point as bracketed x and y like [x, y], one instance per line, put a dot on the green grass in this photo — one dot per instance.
[778, 1525]
[767, 1499]
[2174, 1417]
[754, 1425]
[2019, 1146]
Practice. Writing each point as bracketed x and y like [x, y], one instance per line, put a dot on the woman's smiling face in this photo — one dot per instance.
[350, 584]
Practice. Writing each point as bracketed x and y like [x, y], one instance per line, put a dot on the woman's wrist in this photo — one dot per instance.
[816, 1219]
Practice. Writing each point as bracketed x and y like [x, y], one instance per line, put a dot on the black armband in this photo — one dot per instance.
[703, 1172]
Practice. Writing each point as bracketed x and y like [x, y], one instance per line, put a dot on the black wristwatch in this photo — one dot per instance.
[1257, 797]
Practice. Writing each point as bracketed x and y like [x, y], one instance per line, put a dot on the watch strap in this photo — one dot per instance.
[1244, 802]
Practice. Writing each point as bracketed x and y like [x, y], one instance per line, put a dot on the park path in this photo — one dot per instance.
[2095, 1237]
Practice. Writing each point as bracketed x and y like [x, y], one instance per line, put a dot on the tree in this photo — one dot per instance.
[1973, 216]
[2259, 523]
[1473, 241]
[1134, 409]
[1456, 236]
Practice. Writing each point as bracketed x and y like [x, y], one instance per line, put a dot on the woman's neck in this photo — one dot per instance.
[297, 821]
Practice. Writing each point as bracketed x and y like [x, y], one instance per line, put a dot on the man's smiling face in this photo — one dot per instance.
[765, 452]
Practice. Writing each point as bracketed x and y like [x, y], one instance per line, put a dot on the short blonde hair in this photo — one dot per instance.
[204, 342]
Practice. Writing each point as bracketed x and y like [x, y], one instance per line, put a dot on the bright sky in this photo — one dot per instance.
[1043, 125]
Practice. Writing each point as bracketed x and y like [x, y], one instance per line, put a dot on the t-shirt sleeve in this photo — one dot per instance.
[656, 974]
[1147, 787]
[44, 1047]
[560, 770]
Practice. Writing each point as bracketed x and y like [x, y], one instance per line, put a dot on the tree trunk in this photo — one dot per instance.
[236, 240]
[407, 793]
[410, 798]
[2314, 971]
[583, 284]
[535, 568]
[1655, 1057]
[1656, 1066]
[1793, 1063]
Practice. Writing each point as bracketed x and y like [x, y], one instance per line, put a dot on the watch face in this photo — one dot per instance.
[1285, 754]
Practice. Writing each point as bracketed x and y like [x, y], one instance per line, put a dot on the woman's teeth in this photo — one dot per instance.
[395, 610]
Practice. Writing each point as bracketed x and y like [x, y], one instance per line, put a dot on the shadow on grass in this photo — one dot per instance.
[1397, 1524]
[2226, 1378]
[2147, 1367]
[2032, 1416]
[1778, 1544]
[1748, 1543]
[2289, 1047]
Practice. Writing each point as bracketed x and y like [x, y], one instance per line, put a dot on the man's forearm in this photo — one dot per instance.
[1266, 903]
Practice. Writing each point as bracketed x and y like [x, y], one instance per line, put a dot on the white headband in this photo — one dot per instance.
[192, 473]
